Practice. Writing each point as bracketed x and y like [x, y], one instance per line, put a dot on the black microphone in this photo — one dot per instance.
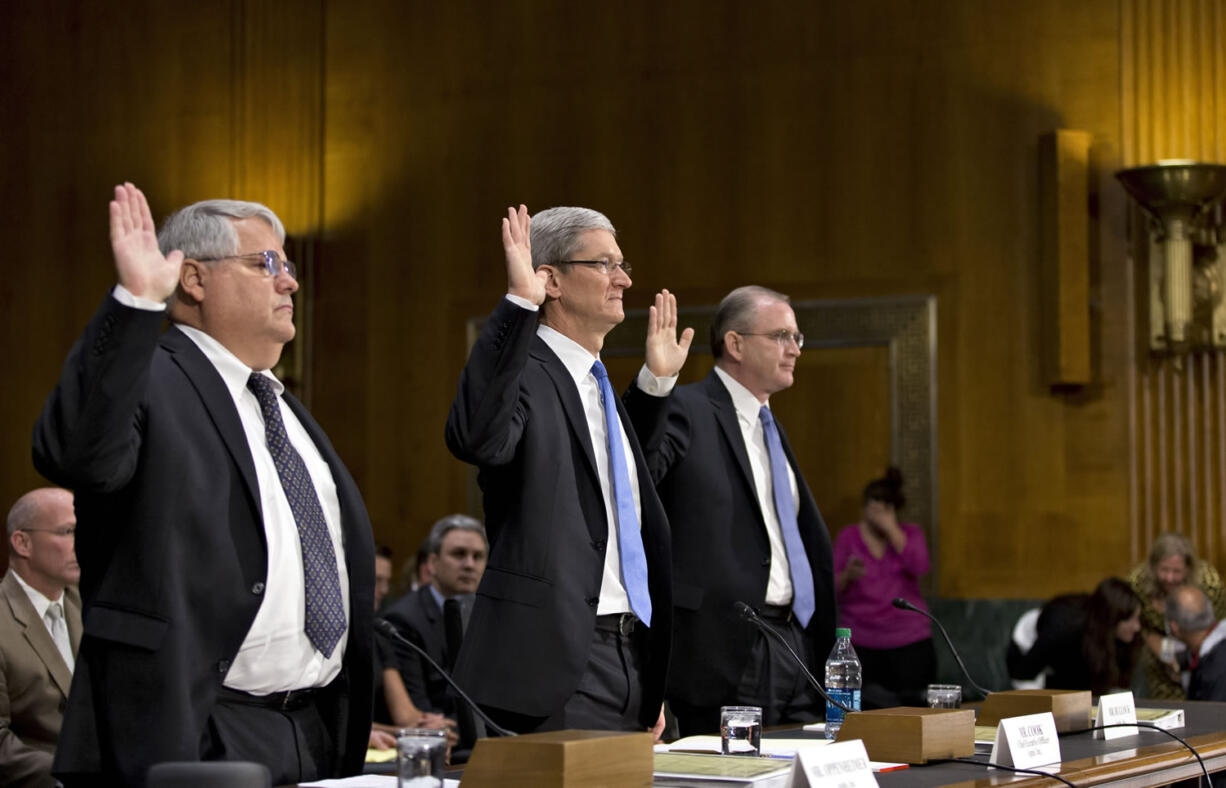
[389, 629]
[903, 604]
[749, 614]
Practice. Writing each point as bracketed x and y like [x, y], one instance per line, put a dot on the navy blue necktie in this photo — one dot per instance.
[325, 613]
[798, 560]
[629, 539]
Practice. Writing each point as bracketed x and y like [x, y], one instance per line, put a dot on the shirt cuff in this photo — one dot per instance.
[652, 384]
[523, 303]
[125, 297]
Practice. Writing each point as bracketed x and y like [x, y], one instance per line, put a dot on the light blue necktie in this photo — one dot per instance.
[798, 560]
[629, 539]
[325, 613]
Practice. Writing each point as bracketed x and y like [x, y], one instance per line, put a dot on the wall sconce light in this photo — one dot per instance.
[1187, 252]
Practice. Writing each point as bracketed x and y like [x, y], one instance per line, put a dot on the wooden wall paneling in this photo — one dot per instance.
[1173, 61]
[1064, 183]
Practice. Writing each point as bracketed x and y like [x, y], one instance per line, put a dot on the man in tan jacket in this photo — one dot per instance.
[40, 629]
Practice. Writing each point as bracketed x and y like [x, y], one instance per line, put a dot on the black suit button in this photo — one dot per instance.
[766, 562]
[257, 588]
[592, 601]
[223, 666]
[598, 544]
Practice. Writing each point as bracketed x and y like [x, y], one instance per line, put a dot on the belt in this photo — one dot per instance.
[621, 623]
[778, 614]
[290, 700]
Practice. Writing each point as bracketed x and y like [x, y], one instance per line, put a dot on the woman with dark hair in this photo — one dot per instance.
[1085, 641]
[877, 560]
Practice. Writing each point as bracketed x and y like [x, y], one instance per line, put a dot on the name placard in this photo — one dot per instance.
[1027, 741]
[1114, 710]
[842, 764]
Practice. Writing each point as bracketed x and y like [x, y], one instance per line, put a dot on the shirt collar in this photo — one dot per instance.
[439, 599]
[234, 372]
[746, 404]
[1216, 636]
[40, 602]
[577, 360]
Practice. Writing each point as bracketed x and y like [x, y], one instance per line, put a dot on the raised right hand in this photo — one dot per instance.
[522, 281]
[142, 269]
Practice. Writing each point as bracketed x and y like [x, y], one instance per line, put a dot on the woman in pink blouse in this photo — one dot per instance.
[877, 560]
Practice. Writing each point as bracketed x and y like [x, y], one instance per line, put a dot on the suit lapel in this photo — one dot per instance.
[725, 416]
[572, 406]
[35, 632]
[218, 402]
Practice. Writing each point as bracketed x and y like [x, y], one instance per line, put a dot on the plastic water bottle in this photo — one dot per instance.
[842, 680]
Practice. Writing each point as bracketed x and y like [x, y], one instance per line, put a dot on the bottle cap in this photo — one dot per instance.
[842, 632]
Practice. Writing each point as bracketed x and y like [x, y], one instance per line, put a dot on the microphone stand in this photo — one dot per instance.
[749, 614]
[903, 604]
[389, 629]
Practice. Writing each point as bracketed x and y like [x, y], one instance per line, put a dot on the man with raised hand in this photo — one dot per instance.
[226, 555]
[571, 627]
[744, 523]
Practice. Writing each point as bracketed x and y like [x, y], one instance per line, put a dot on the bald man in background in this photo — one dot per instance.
[40, 629]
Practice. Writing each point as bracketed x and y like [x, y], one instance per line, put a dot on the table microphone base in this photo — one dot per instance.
[1071, 708]
[912, 735]
[561, 759]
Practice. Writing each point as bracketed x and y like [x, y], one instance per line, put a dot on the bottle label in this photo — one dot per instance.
[848, 697]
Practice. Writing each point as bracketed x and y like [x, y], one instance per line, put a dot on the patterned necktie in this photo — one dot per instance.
[325, 614]
[629, 539]
[798, 561]
[59, 632]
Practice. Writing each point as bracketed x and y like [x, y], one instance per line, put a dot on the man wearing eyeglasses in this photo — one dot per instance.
[571, 627]
[40, 629]
[745, 527]
[226, 554]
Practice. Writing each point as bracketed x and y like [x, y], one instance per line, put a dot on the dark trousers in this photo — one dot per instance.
[897, 676]
[293, 742]
[771, 679]
[610, 693]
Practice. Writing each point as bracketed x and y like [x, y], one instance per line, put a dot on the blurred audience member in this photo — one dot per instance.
[877, 560]
[457, 555]
[1193, 621]
[393, 708]
[383, 574]
[40, 629]
[1085, 641]
[1172, 563]
[414, 573]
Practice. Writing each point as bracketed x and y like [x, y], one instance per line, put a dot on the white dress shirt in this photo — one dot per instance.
[276, 655]
[779, 582]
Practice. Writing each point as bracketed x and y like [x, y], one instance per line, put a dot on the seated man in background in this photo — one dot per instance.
[457, 554]
[1190, 615]
[393, 709]
[40, 629]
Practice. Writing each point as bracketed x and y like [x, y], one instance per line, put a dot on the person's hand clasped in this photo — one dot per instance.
[142, 268]
[666, 353]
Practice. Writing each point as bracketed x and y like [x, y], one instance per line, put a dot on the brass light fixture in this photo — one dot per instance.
[1187, 252]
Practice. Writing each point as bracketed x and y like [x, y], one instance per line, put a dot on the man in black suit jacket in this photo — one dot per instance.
[457, 554]
[706, 448]
[223, 620]
[572, 622]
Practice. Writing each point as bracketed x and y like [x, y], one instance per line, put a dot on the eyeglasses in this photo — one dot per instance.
[67, 530]
[781, 336]
[608, 266]
[269, 262]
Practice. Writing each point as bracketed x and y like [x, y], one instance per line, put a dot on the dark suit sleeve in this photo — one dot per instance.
[1209, 679]
[487, 418]
[662, 427]
[89, 434]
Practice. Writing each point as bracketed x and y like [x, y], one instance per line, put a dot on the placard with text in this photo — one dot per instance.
[1027, 741]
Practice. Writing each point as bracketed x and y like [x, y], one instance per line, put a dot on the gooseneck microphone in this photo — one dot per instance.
[749, 614]
[389, 629]
[903, 604]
